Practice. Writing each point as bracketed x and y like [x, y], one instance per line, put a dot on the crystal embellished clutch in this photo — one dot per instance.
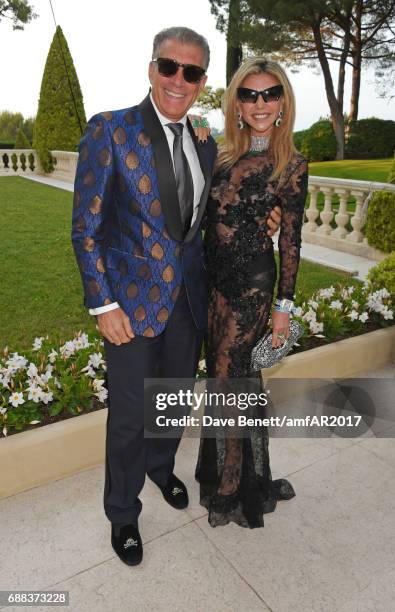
[265, 356]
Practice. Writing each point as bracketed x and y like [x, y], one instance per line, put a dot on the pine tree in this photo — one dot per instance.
[21, 140]
[58, 126]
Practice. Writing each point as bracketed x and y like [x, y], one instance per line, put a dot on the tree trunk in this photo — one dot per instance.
[335, 108]
[357, 61]
[234, 51]
[343, 60]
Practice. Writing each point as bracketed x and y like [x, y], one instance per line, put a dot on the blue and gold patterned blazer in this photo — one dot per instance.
[126, 229]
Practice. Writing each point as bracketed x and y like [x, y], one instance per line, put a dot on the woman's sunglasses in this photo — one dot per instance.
[168, 67]
[251, 95]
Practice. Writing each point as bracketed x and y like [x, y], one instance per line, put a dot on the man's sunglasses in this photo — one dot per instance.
[168, 67]
[251, 95]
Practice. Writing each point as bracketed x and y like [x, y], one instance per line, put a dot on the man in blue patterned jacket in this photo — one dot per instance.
[141, 187]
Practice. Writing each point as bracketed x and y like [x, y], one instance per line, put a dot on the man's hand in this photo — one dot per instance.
[115, 326]
[274, 220]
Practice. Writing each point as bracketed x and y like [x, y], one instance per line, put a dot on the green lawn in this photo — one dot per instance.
[41, 287]
[357, 169]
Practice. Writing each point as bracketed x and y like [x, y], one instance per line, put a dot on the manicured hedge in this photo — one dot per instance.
[370, 139]
[383, 274]
[380, 225]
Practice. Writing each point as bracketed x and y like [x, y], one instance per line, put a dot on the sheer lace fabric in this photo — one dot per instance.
[234, 473]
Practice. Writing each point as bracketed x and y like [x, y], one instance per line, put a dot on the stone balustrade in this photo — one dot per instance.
[327, 227]
[19, 161]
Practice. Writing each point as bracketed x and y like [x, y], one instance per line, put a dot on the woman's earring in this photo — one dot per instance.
[240, 122]
[279, 119]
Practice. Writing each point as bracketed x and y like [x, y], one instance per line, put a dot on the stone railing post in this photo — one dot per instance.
[342, 216]
[312, 212]
[326, 215]
[357, 220]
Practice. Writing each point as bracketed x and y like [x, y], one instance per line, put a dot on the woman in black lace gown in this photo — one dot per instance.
[258, 168]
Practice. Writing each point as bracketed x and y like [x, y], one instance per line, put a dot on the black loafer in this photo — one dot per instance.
[128, 544]
[175, 493]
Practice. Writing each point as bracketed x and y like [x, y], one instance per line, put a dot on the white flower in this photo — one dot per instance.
[67, 349]
[326, 293]
[313, 304]
[32, 371]
[298, 311]
[336, 305]
[95, 360]
[89, 371]
[5, 378]
[16, 399]
[316, 328]
[98, 384]
[5, 431]
[37, 344]
[382, 293]
[346, 292]
[363, 317]
[48, 374]
[57, 383]
[102, 395]
[35, 393]
[47, 397]
[387, 314]
[310, 315]
[34, 422]
[52, 356]
[81, 342]
[17, 362]
[353, 315]
[355, 304]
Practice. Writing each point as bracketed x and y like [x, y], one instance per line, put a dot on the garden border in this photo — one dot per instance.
[36, 457]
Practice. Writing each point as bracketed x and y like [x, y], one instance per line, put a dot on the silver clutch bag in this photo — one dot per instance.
[265, 356]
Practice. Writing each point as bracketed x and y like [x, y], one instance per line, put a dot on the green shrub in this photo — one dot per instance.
[380, 225]
[391, 177]
[21, 140]
[56, 126]
[370, 139]
[298, 138]
[319, 142]
[7, 145]
[383, 275]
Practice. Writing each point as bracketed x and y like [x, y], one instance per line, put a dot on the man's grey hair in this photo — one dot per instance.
[184, 36]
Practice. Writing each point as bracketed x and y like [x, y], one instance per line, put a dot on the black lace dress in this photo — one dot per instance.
[234, 472]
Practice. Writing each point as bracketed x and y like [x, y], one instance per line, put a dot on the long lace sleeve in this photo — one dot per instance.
[293, 196]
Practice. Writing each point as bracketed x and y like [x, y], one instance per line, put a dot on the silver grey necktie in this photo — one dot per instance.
[184, 180]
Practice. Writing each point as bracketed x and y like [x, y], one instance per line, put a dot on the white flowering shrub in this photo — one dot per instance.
[46, 381]
[338, 311]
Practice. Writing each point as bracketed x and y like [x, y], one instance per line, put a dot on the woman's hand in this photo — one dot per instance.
[280, 327]
[201, 127]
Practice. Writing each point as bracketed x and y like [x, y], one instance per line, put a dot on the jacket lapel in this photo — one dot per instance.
[207, 173]
[164, 169]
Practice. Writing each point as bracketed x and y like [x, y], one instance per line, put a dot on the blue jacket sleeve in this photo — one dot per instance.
[93, 190]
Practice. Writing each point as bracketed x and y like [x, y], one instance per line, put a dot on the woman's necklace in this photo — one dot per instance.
[259, 143]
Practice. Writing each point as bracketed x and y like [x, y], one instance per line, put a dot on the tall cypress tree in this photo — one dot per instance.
[57, 126]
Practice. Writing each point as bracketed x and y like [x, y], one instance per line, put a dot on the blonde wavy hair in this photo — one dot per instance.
[236, 141]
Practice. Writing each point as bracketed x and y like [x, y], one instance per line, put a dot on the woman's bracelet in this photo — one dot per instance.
[284, 305]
